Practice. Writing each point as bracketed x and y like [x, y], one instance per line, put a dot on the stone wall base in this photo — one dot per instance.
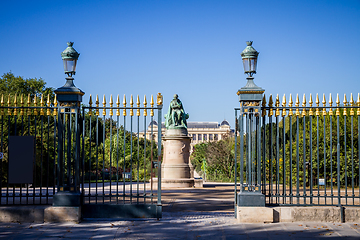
[62, 214]
[297, 214]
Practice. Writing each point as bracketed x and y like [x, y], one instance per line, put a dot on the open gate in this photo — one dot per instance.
[119, 161]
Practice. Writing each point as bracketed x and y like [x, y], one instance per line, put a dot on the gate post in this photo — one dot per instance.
[250, 97]
[68, 168]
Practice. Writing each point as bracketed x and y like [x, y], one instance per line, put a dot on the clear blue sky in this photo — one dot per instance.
[191, 48]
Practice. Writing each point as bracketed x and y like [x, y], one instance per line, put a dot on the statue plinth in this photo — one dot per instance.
[175, 169]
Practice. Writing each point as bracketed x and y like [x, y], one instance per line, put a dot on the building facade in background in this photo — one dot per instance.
[198, 131]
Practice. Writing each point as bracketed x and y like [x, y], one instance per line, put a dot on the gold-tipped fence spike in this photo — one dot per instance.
[290, 105]
[97, 113]
[145, 103]
[41, 105]
[297, 104]
[284, 106]
[118, 105]
[337, 105]
[48, 112]
[345, 100]
[351, 104]
[358, 103]
[104, 105]
[270, 105]
[152, 105]
[111, 105]
[15, 105]
[28, 104]
[277, 104]
[264, 105]
[317, 102]
[90, 105]
[124, 104]
[311, 112]
[345, 103]
[8, 103]
[330, 104]
[55, 106]
[2, 104]
[35, 105]
[304, 105]
[131, 105]
[138, 105]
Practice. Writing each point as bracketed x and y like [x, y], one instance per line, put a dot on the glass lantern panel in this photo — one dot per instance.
[246, 65]
[253, 64]
[69, 65]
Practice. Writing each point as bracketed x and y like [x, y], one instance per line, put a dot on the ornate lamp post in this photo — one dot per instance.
[250, 97]
[68, 167]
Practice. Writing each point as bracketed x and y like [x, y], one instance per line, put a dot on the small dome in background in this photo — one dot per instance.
[154, 123]
[225, 123]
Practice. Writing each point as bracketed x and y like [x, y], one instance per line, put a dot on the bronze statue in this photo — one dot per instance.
[176, 116]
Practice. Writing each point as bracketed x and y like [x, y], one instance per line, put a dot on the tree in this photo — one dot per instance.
[9, 84]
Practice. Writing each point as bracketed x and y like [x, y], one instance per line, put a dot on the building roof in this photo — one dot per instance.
[197, 124]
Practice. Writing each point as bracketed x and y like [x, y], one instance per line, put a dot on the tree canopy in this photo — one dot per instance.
[10, 84]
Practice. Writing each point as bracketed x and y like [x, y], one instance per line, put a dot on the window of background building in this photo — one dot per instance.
[194, 137]
[211, 137]
[199, 137]
[205, 137]
[216, 137]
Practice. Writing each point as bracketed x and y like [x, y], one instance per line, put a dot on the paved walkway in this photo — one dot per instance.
[188, 214]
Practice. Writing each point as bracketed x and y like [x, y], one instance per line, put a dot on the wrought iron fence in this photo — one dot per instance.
[303, 153]
[118, 164]
[29, 177]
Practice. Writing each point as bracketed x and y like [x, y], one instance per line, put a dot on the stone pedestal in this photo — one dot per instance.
[175, 169]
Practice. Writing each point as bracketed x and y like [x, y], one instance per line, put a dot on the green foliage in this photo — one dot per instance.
[313, 147]
[219, 157]
[9, 84]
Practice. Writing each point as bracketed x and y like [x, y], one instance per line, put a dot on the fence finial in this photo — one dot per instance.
[284, 106]
[264, 105]
[124, 104]
[330, 104]
[345, 103]
[338, 105]
[152, 105]
[304, 105]
[104, 105]
[55, 105]
[111, 105]
[311, 112]
[118, 105]
[131, 105]
[351, 104]
[48, 112]
[90, 103]
[35, 105]
[97, 113]
[277, 104]
[28, 104]
[270, 105]
[290, 105]
[317, 102]
[15, 105]
[145, 103]
[297, 104]
[138, 106]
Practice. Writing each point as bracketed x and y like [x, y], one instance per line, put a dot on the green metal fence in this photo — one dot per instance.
[95, 150]
[118, 164]
[302, 153]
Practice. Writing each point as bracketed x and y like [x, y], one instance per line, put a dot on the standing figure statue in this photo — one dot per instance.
[176, 116]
